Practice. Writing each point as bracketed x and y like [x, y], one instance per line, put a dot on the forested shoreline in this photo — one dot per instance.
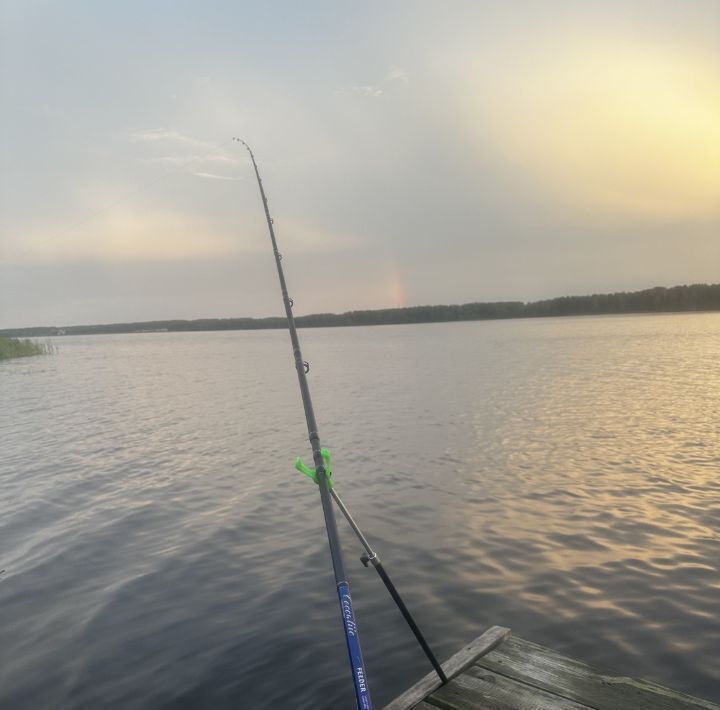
[696, 297]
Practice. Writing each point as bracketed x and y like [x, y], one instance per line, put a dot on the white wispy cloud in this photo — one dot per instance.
[168, 135]
[187, 153]
[213, 176]
[186, 160]
[394, 75]
[366, 90]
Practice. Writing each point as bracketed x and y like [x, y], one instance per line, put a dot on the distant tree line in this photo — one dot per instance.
[697, 297]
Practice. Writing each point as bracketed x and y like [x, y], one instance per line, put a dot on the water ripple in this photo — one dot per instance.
[558, 476]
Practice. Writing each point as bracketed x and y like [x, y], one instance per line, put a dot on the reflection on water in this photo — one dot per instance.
[556, 476]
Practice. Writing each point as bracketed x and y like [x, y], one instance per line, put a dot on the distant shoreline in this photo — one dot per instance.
[676, 299]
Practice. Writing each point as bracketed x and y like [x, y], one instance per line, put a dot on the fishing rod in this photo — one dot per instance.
[362, 694]
[371, 557]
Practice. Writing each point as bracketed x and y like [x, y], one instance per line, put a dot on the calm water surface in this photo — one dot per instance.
[556, 476]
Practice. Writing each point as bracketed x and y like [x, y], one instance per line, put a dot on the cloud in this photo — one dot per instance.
[213, 176]
[185, 160]
[164, 134]
[396, 74]
[124, 233]
[366, 90]
[194, 154]
[609, 127]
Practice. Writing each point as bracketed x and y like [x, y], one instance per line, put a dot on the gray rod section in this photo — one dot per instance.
[353, 525]
[330, 524]
[373, 558]
[357, 664]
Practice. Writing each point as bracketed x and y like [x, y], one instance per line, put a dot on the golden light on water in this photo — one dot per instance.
[620, 129]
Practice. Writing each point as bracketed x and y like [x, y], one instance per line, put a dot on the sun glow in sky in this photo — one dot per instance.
[615, 128]
[413, 153]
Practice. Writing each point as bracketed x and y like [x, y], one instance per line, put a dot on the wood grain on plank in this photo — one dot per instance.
[572, 679]
[465, 657]
[491, 691]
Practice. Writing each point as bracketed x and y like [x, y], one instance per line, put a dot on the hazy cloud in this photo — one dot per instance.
[212, 176]
[397, 74]
[193, 156]
[482, 151]
[164, 134]
[367, 90]
[185, 159]
[640, 140]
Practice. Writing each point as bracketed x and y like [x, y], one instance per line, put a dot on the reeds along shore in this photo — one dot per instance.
[14, 347]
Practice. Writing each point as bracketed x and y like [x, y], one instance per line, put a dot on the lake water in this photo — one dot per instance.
[557, 476]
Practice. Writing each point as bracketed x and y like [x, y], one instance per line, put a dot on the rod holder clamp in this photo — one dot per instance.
[312, 473]
[368, 560]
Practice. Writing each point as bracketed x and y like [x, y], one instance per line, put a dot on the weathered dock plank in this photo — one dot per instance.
[456, 664]
[497, 672]
[572, 679]
[491, 691]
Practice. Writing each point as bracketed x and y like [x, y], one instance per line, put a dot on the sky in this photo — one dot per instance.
[413, 153]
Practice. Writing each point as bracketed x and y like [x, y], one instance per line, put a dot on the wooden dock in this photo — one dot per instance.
[498, 672]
